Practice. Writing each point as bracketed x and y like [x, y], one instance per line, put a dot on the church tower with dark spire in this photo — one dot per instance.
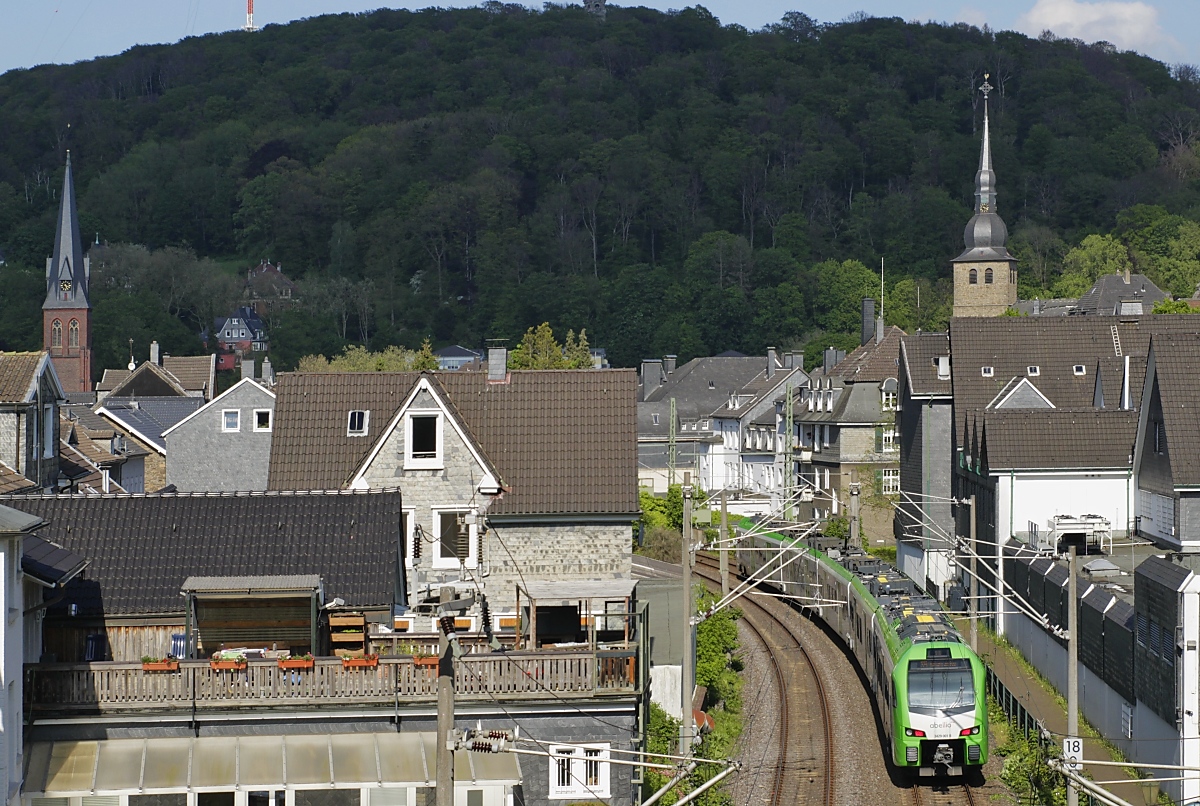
[67, 313]
[985, 274]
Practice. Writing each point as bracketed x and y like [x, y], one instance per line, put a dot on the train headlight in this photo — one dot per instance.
[915, 732]
[969, 731]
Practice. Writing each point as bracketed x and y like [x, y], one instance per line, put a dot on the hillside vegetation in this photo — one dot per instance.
[667, 183]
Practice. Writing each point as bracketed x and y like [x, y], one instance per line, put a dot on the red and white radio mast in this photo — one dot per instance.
[250, 26]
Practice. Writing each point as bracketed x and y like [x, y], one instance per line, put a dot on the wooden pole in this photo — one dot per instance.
[445, 714]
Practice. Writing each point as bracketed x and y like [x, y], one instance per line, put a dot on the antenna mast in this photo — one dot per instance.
[250, 26]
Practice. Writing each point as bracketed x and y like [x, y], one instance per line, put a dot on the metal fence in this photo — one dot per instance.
[1017, 715]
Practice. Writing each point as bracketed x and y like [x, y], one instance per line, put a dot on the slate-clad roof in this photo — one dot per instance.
[759, 388]
[1011, 344]
[49, 562]
[1110, 291]
[1177, 372]
[18, 373]
[1164, 572]
[142, 548]
[1059, 438]
[149, 417]
[700, 387]
[563, 440]
[918, 353]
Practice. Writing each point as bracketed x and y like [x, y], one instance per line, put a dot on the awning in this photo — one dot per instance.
[261, 585]
[340, 761]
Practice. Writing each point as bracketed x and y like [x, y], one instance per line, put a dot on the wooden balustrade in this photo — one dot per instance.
[124, 687]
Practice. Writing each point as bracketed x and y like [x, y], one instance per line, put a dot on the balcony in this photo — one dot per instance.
[71, 689]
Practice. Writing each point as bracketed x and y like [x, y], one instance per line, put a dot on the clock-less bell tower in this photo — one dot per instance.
[67, 313]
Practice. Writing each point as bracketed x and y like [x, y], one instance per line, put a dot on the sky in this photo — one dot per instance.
[65, 31]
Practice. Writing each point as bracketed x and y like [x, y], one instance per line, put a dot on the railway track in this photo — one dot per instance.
[802, 759]
[942, 795]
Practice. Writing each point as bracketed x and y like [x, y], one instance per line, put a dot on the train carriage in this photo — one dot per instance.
[928, 685]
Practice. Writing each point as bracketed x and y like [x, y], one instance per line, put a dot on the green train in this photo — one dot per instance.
[928, 685]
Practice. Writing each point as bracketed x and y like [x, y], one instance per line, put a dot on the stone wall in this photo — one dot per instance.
[983, 299]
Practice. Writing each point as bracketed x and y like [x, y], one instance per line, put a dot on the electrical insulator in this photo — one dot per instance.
[416, 543]
[485, 613]
[447, 625]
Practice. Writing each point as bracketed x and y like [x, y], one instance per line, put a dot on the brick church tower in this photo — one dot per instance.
[985, 274]
[67, 313]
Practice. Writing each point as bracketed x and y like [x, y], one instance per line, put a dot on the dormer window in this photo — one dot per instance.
[423, 441]
[1080, 369]
[1033, 372]
[654, 417]
[357, 423]
[987, 372]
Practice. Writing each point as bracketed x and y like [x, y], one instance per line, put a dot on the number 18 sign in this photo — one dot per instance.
[1073, 753]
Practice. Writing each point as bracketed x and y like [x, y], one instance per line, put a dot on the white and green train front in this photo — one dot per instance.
[940, 718]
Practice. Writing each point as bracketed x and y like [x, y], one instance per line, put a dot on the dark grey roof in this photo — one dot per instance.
[457, 351]
[67, 263]
[1110, 291]
[143, 547]
[1059, 438]
[985, 235]
[761, 388]
[13, 521]
[49, 562]
[149, 417]
[699, 387]
[1162, 571]
[918, 354]
[1177, 375]
[1059, 306]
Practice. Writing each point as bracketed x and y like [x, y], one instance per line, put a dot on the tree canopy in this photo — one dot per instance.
[666, 182]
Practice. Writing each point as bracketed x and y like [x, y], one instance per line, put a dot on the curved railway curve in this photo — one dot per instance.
[805, 770]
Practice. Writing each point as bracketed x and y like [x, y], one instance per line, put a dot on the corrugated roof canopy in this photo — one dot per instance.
[281, 583]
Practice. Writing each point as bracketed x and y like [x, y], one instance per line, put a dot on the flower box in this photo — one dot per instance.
[227, 664]
[429, 661]
[161, 666]
[295, 663]
[350, 663]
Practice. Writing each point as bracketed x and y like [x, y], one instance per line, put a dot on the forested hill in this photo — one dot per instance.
[668, 183]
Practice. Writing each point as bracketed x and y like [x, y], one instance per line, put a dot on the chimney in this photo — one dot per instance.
[832, 357]
[248, 368]
[798, 360]
[879, 330]
[497, 364]
[787, 360]
[652, 376]
[770, 362]
[1126, 275]
[268, 372]
[154, 359]
[868, 320]
[669, 362]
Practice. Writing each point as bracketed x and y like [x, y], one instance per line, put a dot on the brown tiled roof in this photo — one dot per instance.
[918, 353]
[17, 371]
[873, 362]
[13, 482]
[564, 441]
[111, 379]
[194, 372]
[1177, 371]
[1059, 438]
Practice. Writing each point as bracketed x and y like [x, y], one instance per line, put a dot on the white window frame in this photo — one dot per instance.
[410, 531]
[436, 462]
[890, 443]
[575, 757]
[891, 481]
[237, 426]
[1080, 369]
[435, 552]
[828, 429]
[888, 400]
[1033, 371]
[987, 372]
[366, 425]
[270, 417]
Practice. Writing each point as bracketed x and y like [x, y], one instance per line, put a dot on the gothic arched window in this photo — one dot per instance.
[973, 277]
[56, 334]
[987, 276]
[73, 333]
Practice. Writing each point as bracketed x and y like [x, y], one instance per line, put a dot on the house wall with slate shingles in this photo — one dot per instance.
[9, 428]
[154, 466]
[203, 458]
[983, 299]
[1156, 603]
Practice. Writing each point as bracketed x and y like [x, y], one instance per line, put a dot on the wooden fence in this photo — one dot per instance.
[61, 688]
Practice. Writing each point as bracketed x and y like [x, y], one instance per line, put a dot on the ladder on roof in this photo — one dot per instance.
[1116, 341]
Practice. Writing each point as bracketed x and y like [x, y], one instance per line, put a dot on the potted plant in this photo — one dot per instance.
[304, 661]
[365, 661]
[228, 660]
[153, 664]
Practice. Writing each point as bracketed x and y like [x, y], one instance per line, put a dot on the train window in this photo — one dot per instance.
[940, 685]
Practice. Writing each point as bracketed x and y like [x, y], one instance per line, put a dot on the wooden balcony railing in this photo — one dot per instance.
[73, 688]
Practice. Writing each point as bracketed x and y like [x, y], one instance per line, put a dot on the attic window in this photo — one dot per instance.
[1033, 372]
[987, 372]
[357, 423]
[655, 417]
[262, 419]
[1080, 369]
[712, 385]
[423, 441]
[231, 420]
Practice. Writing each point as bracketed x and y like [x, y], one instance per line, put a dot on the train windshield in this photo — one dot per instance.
[941, 685]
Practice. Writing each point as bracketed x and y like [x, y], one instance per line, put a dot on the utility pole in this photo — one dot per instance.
[685, 684]
[789, 481]
[671, 457]
[724, 552]
[972, 588]
[445, 713]
[855, 525]
[1072, 659]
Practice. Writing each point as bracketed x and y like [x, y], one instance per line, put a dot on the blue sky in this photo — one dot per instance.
[64, 31]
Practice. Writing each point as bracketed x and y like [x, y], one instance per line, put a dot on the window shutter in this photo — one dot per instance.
[879, 482]
[879, 439]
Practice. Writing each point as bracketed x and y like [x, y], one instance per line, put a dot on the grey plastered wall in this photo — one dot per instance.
[203, 458]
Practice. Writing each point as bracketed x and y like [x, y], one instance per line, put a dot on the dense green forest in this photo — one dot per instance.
[667, 183]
